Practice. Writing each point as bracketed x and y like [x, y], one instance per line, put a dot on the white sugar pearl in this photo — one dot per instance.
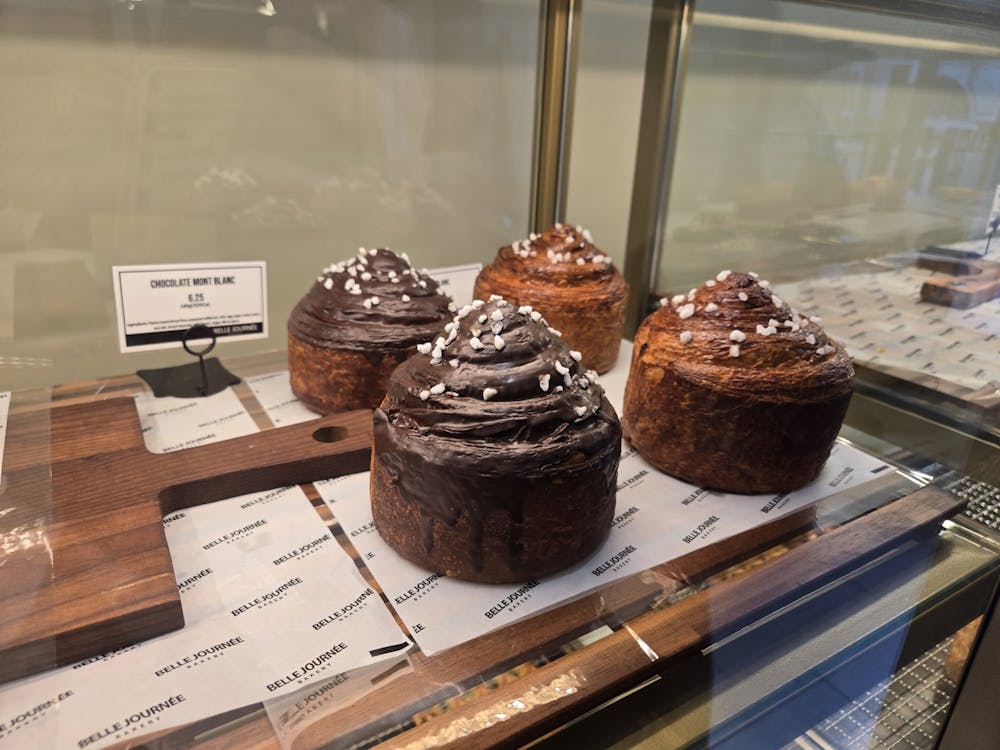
[543, 381]
[686, 311]
[686, 337]
[576, 355]
[438, 389]
[737, 336]
[489, 393]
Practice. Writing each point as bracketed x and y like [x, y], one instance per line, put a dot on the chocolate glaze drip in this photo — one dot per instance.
[506, 401]
[372, 301]
[561, 255]
[716, 336]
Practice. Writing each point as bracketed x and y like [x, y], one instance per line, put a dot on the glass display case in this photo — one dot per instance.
[204, 571]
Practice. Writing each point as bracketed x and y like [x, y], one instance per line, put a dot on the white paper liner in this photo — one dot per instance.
[274, 393]
[171, 424]
[657, 518]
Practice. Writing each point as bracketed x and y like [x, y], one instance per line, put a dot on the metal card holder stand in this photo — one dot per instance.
[196, 379]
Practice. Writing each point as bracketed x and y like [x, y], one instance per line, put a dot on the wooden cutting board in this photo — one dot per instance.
[84, 564]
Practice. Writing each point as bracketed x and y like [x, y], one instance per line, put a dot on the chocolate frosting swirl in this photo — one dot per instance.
[372, 301]
[499, 373]
[734, 327]
[562, 255]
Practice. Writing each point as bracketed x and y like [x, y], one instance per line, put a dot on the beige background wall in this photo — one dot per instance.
[209, 131]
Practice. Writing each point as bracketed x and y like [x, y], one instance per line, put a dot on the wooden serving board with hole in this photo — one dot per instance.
[84, 564]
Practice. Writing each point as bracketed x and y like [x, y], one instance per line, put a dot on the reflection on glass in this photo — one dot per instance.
[811, 135]
[812, 139]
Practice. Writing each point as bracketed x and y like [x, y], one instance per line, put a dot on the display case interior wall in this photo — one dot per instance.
[825, 149]
[159, 132]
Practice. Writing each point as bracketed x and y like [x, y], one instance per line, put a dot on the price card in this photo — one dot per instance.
[158, 304]
[457, 281]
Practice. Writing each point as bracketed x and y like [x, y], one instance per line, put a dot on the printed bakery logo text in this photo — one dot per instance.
[632, 480]
[625, 518]
[304, 550]
[172, 409]
[294, 714]
[108, 656]
[316, 665]
[134, 722]
[419, 588]
[346, 611]
[236, 534]
[200, 656]
[775, 503]
[271, 597]
[266, 497]
[363, 529]
[841, 476]
[220, 420]
[696, 495]
[191, 580]
[616, 562]
[167, 520]
[190, 443]
[512, 601]
[31, 715]
[702, 530]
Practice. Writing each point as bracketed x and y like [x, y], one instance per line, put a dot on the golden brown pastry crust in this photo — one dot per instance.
[735, 393]
[571, 282]
[331, 380]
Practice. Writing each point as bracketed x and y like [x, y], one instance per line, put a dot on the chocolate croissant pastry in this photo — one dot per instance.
[496, 455]
[571, 282]
[731, 389]
[359, 320]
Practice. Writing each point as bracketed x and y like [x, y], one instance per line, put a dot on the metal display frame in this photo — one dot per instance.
[877, 409]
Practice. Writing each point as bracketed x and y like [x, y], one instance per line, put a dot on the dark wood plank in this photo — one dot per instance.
[91, 571]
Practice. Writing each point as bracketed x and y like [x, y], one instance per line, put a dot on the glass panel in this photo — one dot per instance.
[156, 132]
[814, 138]
[612, 60]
